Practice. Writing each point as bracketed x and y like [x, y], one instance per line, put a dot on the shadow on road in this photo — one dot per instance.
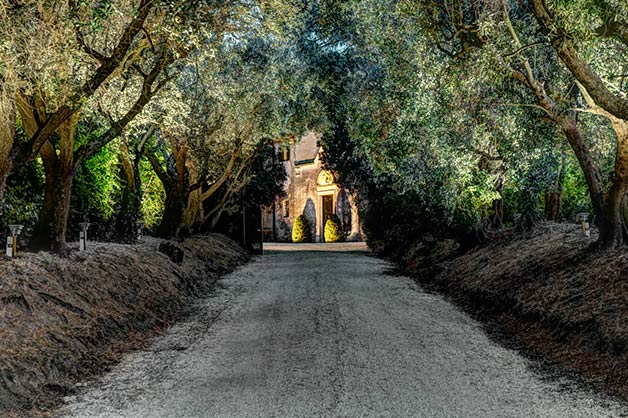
[271, 247]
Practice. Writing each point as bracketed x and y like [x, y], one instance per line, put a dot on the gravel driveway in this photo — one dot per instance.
[322, 331]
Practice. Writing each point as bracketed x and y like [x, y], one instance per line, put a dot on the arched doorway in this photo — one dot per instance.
[327, 192]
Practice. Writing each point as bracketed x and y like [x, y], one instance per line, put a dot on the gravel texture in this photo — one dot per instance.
[304, 332]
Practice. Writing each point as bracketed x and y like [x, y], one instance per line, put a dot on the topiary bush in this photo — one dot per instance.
[333, 230]
[301, 230]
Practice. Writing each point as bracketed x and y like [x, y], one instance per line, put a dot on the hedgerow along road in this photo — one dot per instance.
[322, 331]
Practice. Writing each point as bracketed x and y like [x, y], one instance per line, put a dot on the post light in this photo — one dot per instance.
[140, 230]
[83, 236]
[12, 240]
[583, 218]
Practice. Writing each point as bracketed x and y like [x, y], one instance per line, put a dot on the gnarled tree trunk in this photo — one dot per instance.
[193, 215]
[175, 179]
[59, 169]
[42, 234]
[7, 137]
[602, 101]
[612, 227]
[554, 196]
[174, 208]
[569, 125]
[131, 199]
[194, 212]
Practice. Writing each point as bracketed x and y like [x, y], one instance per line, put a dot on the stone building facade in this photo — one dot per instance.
[310, 191]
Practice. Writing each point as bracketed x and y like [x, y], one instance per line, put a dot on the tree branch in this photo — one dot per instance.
[158, 169]
[523, 48]
[515, 38]
[120, 51]
[90, 148]
[147, 135]
[566, 50]
[534, 106]
[28, 152]
[225, 175]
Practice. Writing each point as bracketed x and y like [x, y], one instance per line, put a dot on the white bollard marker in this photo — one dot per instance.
[83, 236]
[82, 240]
[9, 246]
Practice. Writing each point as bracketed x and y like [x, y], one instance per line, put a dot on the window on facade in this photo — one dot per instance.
[286, 208]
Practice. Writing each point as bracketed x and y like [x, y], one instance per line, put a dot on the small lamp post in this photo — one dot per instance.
[583, 218]
[140, 230]
[83, 236]
[12, 240]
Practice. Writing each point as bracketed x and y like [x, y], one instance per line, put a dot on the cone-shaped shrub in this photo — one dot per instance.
[333, 230]
[301, 230]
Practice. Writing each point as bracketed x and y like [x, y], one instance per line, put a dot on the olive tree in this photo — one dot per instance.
[595, 71]
[94, 47]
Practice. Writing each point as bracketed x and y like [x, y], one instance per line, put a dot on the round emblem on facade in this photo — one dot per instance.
[325, 178]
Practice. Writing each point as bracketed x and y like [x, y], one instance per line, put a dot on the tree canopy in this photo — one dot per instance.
[455, 117]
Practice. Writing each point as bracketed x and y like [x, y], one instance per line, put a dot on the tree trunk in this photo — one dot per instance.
[176, 184]
[174, 208]
[554, 197]
[611, 225]
[59, 170]
[569, 125]
[194, 214]
[131, 200]
[497, 219]
[215, 218]
[238, 181]
[5, 169]
[7, 137]
[129, 212]
[62, 211]
[42, 234]
[50, 230]
[553, 201]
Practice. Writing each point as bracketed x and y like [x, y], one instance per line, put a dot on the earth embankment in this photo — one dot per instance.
[62, 319]
[547, 289]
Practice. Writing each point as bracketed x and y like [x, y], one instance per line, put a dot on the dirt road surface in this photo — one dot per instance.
[322, 331]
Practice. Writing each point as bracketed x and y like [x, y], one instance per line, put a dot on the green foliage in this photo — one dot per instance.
[426, 119]
[153, 195]
[575, 193]
[333, 230]
[96, 186]
[476, 198]
[23, 195]
[301, 230]
[268, 175]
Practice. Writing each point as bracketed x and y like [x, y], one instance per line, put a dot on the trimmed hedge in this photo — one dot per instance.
[333, 230]
[301, 230]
